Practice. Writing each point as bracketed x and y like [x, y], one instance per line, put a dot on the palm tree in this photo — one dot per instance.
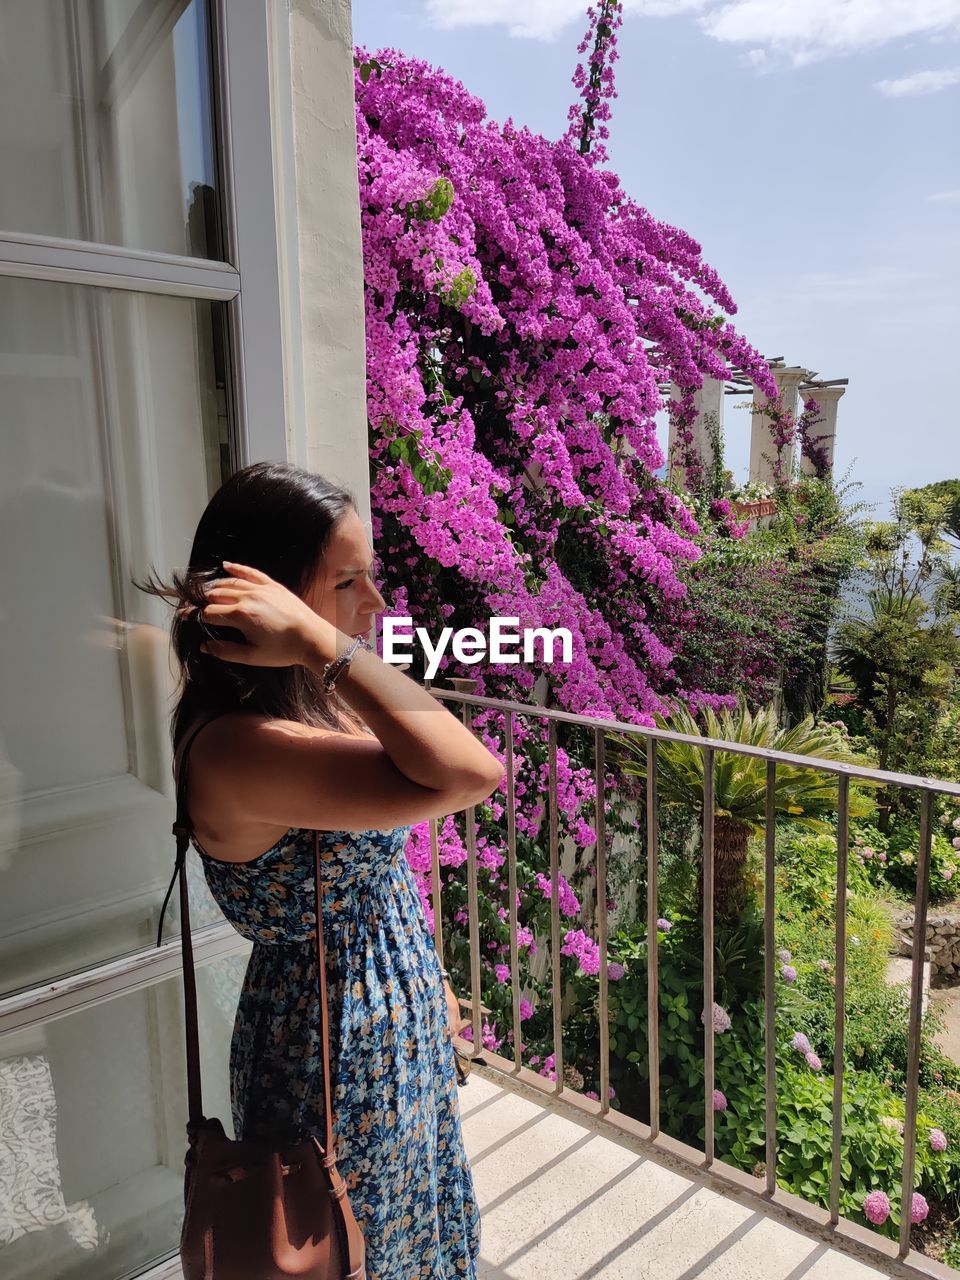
[740, 783]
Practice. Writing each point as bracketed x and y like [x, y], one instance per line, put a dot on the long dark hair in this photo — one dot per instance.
[278, 518]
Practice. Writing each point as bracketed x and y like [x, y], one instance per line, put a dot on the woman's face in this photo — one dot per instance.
[343, 590]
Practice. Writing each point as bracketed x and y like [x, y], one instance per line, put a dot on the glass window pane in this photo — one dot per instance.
[106, 125]
[92, 1129]
[113, 435]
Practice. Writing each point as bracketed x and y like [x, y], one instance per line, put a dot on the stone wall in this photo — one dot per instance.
[942, 942]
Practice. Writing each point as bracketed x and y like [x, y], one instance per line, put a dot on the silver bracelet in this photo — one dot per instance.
[333, 670]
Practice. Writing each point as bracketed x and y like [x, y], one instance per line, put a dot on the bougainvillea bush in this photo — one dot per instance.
[523, 318]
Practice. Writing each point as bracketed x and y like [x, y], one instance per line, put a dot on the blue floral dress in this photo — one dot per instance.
[394, 1088]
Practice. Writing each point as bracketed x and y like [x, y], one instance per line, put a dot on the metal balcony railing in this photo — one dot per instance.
[929, 788]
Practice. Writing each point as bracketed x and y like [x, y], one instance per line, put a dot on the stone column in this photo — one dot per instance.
[709, 400]
[824, 433]
[763, 451]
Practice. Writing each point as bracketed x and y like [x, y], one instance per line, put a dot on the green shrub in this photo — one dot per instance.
[904, 844]
[876, 1039]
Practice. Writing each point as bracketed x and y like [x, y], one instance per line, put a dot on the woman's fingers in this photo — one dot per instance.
[220, 611]
[223, 589]
[246, 571]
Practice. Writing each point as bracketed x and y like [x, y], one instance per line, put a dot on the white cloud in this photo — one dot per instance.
[919, 82]
[803, 31]
[794, 31]
[945, 197]
[539, 19]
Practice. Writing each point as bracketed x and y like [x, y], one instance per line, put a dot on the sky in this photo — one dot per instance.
[812, 147]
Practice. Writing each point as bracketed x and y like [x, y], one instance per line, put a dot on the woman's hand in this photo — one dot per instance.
[278, 626]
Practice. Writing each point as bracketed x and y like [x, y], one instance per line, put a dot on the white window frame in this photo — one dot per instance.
[244, 50]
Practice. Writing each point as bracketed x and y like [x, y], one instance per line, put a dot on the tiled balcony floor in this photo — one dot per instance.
[561, 1201]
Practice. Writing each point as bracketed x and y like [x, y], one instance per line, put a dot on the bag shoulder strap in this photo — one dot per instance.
[182, 830]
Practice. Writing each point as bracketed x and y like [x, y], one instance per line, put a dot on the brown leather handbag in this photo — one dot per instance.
[257, 1210]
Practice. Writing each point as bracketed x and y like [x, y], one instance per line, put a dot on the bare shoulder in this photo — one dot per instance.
[227, 752]
[253, 776]
[236, 739]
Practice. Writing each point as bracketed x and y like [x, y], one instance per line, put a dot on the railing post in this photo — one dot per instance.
[512, 889]
[653, 939]
[473, 911]
[840, 998]
[916, 1018]
[604, 1009]
[555, 905]
[435, 889]
[708, 948]
[769, 979]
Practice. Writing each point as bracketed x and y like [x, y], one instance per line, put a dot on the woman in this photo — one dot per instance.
[279, 759]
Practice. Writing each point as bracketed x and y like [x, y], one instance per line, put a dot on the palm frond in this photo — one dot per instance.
[740, 782]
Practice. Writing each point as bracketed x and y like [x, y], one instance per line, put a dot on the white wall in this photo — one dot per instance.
[321, 237]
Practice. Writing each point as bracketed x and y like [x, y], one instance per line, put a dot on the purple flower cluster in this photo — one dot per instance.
[521, 315]
[579, 944]
[569, 902]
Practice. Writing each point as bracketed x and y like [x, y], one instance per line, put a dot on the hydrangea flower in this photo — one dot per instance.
[615, 970]
[867, 852]
[784, 956]
[502, 972]
[789, 974]
[956, 842]
[719, 1101]
[721, 1019]
[813, 1062]
[918, 1207]
[823, 964]
[526, 1010]
[876, 1208]
[938, 1140]
[664, 925]
[801, 1043]
[572, 1078]
[891, 1122]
